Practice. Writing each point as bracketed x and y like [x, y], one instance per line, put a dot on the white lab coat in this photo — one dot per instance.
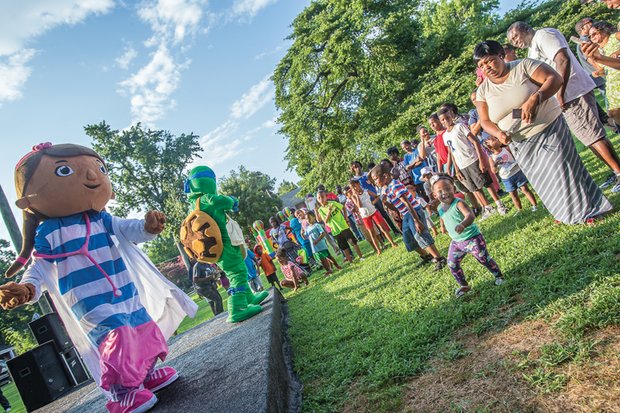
[166, 304]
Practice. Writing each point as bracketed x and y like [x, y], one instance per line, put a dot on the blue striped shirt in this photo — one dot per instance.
[82, 285]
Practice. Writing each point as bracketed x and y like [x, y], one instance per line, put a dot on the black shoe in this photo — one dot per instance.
[440, 263]
[476, 211]
[501, 192]
[425, 259]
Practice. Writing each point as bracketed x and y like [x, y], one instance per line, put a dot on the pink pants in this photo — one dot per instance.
[128, 355]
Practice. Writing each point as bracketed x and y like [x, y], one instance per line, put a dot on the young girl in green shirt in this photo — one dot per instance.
[458, 220]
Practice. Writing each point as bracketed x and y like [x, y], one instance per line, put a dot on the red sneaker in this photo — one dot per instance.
[135, 401]
[160, 378]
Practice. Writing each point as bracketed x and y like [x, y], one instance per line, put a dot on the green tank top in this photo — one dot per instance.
[452, 217]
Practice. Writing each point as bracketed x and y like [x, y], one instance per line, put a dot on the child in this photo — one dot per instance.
[415, 233]
[279, 234]
[512, 176]
[458, 219]
[331, 213]
[363, 200]
[466, 153]
[253, 272]
[266, 263]
[293, 275]
[316, 234]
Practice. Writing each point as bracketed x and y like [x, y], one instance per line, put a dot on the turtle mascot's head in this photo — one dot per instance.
[201, 181]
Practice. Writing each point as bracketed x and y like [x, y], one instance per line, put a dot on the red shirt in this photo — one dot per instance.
[441, 149]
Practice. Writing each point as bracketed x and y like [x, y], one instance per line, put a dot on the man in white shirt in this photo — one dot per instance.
[576, 96]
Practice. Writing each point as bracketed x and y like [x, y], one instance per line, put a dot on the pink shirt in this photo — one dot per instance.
[291, 270]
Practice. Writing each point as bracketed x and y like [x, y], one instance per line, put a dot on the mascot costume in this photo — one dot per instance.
[201, 189]
[117, 308]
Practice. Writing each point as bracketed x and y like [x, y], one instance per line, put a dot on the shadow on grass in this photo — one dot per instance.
[359, 334]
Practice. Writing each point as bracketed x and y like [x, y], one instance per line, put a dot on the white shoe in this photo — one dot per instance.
[616, 187]
[499, 281]
[502, 209]
[534, 208]
[486, 213]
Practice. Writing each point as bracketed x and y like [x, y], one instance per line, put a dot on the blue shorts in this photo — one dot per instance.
[411, 237]
[514, 182]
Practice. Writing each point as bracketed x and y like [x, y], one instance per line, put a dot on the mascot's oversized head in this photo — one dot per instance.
[54, 181]
[201, 181]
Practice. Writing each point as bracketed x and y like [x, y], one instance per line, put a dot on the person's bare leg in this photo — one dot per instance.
[433, 251]
[472, 200]
[481, 198]
[514, 195]
[347, 255]
[493, 193]
[358, 250]
[529, 195]
[375, 244]
[386, 232]
[607, 154]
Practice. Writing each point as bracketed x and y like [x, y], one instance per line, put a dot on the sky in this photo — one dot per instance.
[199, 66]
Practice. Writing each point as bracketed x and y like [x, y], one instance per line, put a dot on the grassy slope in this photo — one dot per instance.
[369, 328]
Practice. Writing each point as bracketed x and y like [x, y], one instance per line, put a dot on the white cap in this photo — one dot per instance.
[426, 170]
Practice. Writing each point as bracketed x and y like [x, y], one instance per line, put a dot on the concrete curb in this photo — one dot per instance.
[241, 368]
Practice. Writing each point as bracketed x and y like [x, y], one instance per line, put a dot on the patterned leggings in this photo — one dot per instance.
[475, 246]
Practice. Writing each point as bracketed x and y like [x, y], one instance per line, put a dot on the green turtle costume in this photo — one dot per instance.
[242, 303]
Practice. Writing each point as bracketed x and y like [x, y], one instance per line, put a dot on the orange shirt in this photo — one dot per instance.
[266, 263]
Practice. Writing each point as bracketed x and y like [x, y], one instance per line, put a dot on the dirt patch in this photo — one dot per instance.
[490, 377]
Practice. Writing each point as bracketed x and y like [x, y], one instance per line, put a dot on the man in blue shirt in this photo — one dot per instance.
[414, 164]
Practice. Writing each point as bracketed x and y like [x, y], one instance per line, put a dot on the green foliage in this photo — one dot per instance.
[285, 187]
[147, 169]
[14, 324]
[362, 333]
[361, 75]
[255, 192]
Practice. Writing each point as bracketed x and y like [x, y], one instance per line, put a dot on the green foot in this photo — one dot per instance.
[241, 315]
[258, 297]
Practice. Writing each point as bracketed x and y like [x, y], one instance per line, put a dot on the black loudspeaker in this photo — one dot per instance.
[76, 370]
[39, 375]
[49, 327]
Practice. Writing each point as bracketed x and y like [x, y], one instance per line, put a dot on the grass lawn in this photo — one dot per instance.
[10, 392]
[362, 337]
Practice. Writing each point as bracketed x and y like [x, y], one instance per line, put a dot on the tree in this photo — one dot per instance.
[286, 186]
[14, 323]
[254, 190]
[148, 169]
[361, 75]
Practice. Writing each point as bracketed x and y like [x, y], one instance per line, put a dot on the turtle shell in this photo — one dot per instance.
[201, 237]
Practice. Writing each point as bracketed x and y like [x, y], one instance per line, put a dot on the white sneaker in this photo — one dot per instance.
[502, 209]
[499, 281]
[486, 213]
[534, 208]
[616, 187]
[609, 182]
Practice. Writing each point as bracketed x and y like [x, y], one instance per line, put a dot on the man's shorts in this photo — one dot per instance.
[473, 179]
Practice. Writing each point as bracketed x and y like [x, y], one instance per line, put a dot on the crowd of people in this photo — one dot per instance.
[516, 139]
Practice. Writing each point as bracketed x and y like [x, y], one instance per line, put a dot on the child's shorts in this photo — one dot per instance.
[513, 182]
[272, 278]
[321, 254]
[343, 239]
[474, 180]
[377, 219]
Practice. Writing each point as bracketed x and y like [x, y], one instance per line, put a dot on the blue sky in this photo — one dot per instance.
[198, 66]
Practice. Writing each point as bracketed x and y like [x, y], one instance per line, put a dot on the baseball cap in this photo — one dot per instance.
[426, 170]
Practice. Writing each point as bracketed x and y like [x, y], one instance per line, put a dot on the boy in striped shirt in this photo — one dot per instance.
[415, 232]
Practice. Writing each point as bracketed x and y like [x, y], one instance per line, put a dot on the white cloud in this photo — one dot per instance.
[250, 8]
[172, 20]
[219, 145]
[270, 123]
[14, 73]
[253, 100]
[126, 58]
[22, 22]
[151, 87]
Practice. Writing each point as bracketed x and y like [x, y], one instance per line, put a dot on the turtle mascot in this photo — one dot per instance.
[205, 238]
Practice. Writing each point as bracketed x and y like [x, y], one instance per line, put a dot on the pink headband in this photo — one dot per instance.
[35, 148]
